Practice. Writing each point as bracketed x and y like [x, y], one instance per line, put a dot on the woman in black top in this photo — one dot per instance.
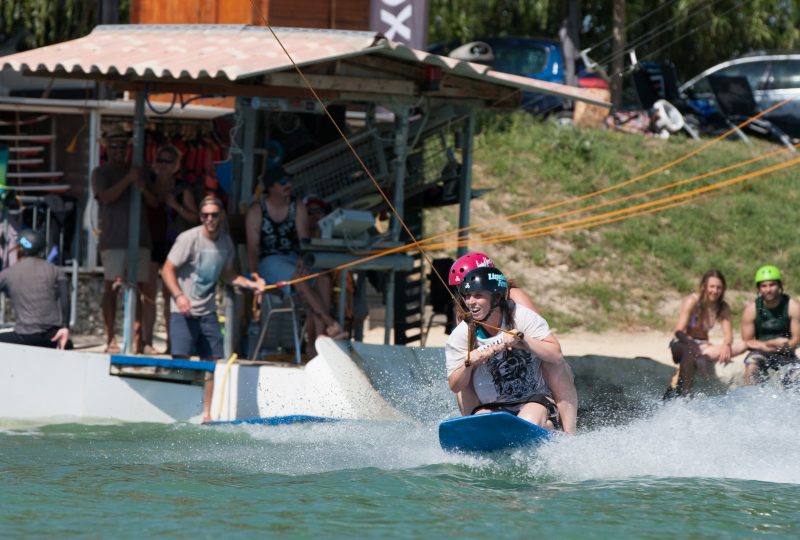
[275, 224]
[171, 209]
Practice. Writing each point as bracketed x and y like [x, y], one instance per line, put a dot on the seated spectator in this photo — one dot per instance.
[171, 209]
[691, 348]
[317, 209]
[275, 225]
[39, 293]
[770, 327]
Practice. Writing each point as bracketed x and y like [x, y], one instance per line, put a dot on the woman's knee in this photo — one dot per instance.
[535, 413]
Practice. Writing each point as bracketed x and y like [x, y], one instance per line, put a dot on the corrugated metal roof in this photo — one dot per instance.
[232, 53]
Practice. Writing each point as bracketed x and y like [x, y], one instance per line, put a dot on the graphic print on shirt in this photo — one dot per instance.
[209, 267]
[514, 374]
[278, 237]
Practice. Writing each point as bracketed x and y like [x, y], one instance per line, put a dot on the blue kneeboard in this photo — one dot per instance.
[489, 432]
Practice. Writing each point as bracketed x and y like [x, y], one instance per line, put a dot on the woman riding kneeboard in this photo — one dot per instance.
[557, 375]
[499, 349]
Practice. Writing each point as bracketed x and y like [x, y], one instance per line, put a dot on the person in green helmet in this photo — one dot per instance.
[770, 327]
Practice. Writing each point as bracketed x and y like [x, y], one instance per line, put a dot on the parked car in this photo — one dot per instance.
[773, 77]
[537, 58]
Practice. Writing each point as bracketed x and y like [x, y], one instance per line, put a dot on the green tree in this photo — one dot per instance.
[43, 22]
[693, 34]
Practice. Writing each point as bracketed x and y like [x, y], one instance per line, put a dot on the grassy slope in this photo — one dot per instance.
[632, 273]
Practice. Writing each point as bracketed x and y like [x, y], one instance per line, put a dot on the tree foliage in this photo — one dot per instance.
[43, 22]
[693, 34]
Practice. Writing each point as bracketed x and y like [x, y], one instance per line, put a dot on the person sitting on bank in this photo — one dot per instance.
[499, 351]
[691, 348]
[558, 375]
[275, 225]
[770, 327]
[199, 257]
[39, 292]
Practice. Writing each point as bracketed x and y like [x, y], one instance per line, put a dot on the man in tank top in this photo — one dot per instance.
[770, 327]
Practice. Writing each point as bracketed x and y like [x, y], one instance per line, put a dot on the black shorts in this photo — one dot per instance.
[515, 406]
[40, 339]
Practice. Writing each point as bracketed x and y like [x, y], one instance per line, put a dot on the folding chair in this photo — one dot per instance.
[281, 326]
[736, 103]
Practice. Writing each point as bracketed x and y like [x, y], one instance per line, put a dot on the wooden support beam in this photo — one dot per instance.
[346, 84]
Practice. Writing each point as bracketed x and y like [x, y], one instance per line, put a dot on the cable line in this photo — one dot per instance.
[363, 165]
[664, 27]
[614, 187]
[646, 192]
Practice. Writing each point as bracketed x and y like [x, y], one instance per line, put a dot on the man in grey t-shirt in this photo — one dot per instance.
[39, 293]
[199, 257]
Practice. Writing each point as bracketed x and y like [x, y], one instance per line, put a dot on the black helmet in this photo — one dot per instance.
[485, 278]
[31, 242]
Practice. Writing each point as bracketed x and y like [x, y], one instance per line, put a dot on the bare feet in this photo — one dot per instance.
[334, 330]
[112, 347]
[149, 350]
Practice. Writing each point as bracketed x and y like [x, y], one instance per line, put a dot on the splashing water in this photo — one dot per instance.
[749, 434]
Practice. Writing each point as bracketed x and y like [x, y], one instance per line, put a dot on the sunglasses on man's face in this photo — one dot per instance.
[117, 146]
[165, 161]
[284, 181]
[208, 215]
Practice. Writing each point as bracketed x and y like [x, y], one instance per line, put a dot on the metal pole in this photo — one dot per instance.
[134, 226]
[342, 296]
[250, 125]
[465, 191]
[400, 152]
[91, 204]
[230, 315]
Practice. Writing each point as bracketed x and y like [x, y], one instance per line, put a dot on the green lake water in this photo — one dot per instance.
[723, 467]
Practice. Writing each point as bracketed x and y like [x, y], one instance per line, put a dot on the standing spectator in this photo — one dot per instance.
[770, 327]
[199, 257]
[170, 211]
[113, 184]
[39, 293]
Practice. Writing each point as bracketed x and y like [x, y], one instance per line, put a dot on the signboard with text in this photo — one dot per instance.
[405, 21]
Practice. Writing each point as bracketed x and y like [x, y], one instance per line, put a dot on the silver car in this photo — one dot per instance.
[773, 77]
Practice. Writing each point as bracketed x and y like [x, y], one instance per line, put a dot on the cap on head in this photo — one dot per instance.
[317, 202]
[117, 132]
[768, 273]
[465, 264]
[487, 279]
[31, 242]
[273, 175]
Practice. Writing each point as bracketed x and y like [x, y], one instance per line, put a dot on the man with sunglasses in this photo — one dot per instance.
[113, 183]
[199, 257]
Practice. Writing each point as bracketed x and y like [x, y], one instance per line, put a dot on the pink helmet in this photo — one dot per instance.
[466, 264]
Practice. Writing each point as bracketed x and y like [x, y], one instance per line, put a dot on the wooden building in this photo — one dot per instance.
[335, 14]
